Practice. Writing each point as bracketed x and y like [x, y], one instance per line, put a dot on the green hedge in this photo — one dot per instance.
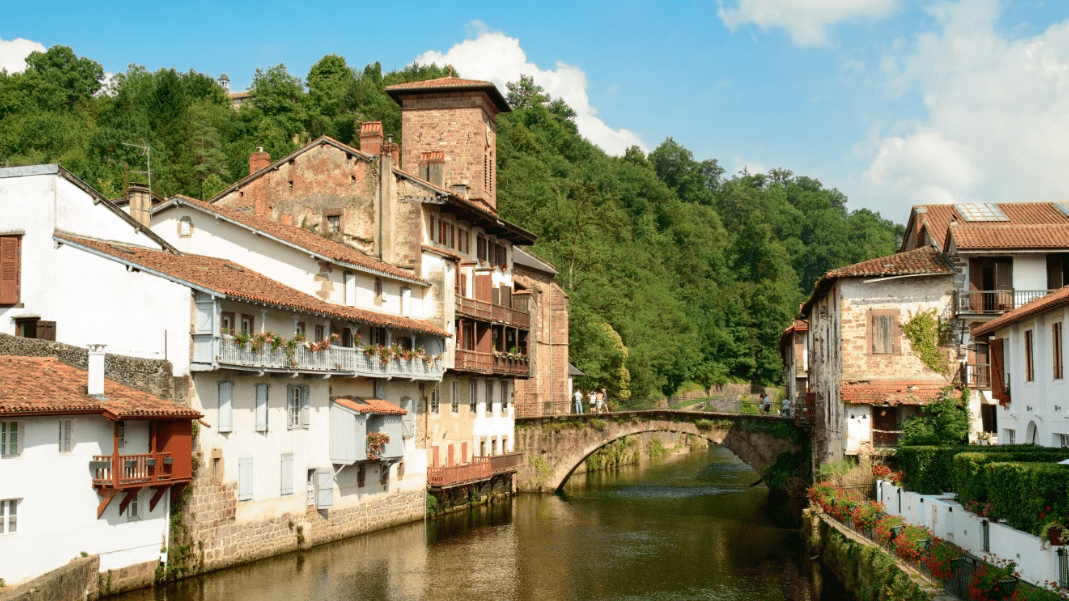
[1021, 493]
[970, 477]
[931, 470]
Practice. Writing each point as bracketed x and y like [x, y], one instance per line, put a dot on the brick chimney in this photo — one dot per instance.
[371, 137]
[258, 160]
[432, 167]
[96, 370]
[140, 199]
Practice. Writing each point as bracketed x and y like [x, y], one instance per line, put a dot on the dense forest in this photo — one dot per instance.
[676, 271]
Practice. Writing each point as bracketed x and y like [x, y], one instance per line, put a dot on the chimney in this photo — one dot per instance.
[258, 160]
[432, 167]
[140, 199]
[460, 189]
[96, 370]
[371, 137]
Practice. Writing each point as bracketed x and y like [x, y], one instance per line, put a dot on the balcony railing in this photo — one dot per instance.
[976, 375]
[994, 301]
[503, 464]
[487, 363]
[516, 315]
[464, 473]
[333, 360]
[122, 471]
[471, 307]
[885, 438]
[512, 366]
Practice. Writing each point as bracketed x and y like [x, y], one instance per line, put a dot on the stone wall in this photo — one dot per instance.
[219, 540]
[71, 582]
[153, 376]
[546, 392]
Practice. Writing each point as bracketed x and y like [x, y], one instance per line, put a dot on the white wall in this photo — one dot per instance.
[490, 423]
[57, 513]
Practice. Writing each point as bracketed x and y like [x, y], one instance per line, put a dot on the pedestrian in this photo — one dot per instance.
[577, 402]
[786, 410]
[593, 400]
[766, 404]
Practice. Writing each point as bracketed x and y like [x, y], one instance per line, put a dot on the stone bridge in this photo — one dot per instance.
[555, 446]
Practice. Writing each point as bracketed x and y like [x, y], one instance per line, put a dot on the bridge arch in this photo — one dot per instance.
[555, 446]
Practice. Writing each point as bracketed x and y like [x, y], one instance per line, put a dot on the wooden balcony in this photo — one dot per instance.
[478, 309]
[505, 464]
[456, 475]
[133, 471]
[335, 360]
[517, 315]
[976, 375]
[993, 302]
[487, 363]
[518, 367]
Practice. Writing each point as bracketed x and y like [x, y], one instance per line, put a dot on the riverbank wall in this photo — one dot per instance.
[459, 498]
[869, 573]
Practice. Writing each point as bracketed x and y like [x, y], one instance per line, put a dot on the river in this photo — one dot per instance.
[687, 527]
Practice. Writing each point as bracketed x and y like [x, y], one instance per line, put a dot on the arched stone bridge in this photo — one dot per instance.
[554, 446]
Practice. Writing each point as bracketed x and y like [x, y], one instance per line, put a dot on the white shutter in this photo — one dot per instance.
[205, 316]
[261, 407]
[245, 479]
[324, 488]
[226, 406]
[408, 421]
[406, 301]
[306, 417]
[287, 474]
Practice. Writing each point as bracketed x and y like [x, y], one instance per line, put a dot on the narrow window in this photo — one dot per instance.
[480, 248]
[296, 407]
[320, 333]
[66, 435]
[132, 511]
[10, 268]
[472, 396]
[333, 224]
[378, 292]
[245, 479]
[1029, 367]
[504, 397]
[489, 396]
[883, 328]
[228, 323]
[185, 227]
[434, 229]
[247, 323]
[9, 516]
[120, 433]
[9, 439]
[434, 402]
[1056, 337]
[286, 476]
[455, 401]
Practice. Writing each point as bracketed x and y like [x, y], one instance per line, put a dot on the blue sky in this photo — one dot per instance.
[894, 102]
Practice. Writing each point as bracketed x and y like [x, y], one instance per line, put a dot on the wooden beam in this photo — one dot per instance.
[156, 497]
[130, 494]
[108, 494]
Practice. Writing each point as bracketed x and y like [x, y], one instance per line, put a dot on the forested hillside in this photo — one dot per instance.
[676, 271]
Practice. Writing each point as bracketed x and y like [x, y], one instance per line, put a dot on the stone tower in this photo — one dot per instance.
[458, 118]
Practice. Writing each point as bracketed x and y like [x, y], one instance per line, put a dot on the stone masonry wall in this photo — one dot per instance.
[212, 515]
[153, 376]
[67, 583]
[546, 392]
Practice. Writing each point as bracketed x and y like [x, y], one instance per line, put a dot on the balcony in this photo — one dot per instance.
[335, 360]
[976, 375]
[993, 302]
[517, 315]
[489, 363]
[133, 471]
[480, 468]
[505, 464]
[883, 439]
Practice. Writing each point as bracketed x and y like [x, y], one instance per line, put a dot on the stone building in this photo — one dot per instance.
[864, 377]
[548, 391]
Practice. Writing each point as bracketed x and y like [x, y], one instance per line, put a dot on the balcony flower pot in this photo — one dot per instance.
[130, 463]
[1054, 532]
[168, 460]
[150, 462]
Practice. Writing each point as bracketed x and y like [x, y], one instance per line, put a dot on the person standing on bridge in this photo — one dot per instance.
[577, 402]
[766, 403]
[786, 410]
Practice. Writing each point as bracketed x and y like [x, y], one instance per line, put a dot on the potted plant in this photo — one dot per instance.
[993, 582]
[1053, 532]
[942, 559]
[376, 443]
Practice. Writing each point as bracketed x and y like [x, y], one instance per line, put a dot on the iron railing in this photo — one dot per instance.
[994, 301]
[977, 375]
[335, 359]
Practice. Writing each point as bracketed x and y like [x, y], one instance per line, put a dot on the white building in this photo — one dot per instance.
[1028, 371]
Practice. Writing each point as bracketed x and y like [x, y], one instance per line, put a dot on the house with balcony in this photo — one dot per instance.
[863, 377]
[1006, 255]
[793, 345]
[1027, 353]
[87, 465]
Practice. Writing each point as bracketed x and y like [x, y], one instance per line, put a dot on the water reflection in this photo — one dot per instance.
[689, 528]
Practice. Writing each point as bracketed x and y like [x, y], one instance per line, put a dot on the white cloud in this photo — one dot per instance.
[13, 54]
[997, 128]
[750, 167]
[497, 58]
[804, 20]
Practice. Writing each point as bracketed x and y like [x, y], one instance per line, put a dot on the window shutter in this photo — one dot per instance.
[226, 406]
[46, 330]
[324, 488]
[894, 324]
[261, 407]
[9, 269]
[287, 474]
[998, 381]
[306, 417]
[245, 478]
[1054, 272]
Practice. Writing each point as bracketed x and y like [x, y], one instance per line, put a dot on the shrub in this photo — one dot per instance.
[939, 556]
[1028, 495]
[865, 514]
[945, 420]
[986, 581]
[883, 526]
[907, 543]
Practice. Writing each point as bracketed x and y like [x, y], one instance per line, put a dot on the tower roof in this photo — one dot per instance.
[448, 84]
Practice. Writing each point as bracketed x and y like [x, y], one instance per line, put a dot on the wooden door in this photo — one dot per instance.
[884, 425]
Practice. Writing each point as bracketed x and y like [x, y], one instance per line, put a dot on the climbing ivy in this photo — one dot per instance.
[927, 334]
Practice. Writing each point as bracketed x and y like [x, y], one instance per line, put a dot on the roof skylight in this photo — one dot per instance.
[980, 211]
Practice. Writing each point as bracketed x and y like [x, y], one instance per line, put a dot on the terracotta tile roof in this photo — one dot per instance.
[926, 259]
[891, 392]
[935, 219]
[449, 84]
[369, 405]
[441, 251]
[226, 278]
[995, 234]
[43, 385]
[1053, 300]
[297, 236]
[1010, 237]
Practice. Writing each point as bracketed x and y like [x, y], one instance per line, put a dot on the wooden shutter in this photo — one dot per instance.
[46, 330]
[287, 474]
[998, 380]
[463, 452]
[261, 407]
[9, 269]
[306, 416]
[976, 283]
[226, 406]
[1004, 282]
[245, 478]
[484, 283]
[324, 488]
[1054, 272]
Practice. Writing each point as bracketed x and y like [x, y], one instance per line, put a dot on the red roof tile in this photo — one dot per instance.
[43, 385]
[995, 234]
[301, 237]
[369, 405]
[923, 260]
[1053, 300]
[892, 392]
[992, 236]
[449, 84]
[227, 278]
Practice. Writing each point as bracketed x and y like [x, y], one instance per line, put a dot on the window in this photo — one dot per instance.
[378, 336]
[66, 435]
[378, 292]
[434, 401]
[286, 477]
[450, 232]
[120, 434]
[1009, 435]
[480, 248]
[471, 392]
[297, 413]
[883, 332]
[504, 397]
[1056, 338]
[347, 337]
[333, 224]
[10, 266]
[228, 323]
[10, 444]
[320, 334]
[245, 479]
[261, 407]
[185, 227]
[406, 301]
[433, 237]
[463, 240]
[1029, 366]
[489, 396]
[226, 406]
[1061, 440]
[455, 401]
[9, 516]
[247, 323]
[133, 512]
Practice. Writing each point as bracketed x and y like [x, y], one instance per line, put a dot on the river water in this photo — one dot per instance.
[687, 527]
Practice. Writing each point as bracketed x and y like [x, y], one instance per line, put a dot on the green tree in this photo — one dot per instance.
[944, 421]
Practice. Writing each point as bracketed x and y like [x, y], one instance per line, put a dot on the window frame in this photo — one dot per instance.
[6, 514]
[504, 397]
[1056, 344]
[1029, 358]
[6, 435]
[66, 436]
[893, 345]
[186, 221]
[297, 410]
[435, 401]
[473, 386]
[454, 401]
